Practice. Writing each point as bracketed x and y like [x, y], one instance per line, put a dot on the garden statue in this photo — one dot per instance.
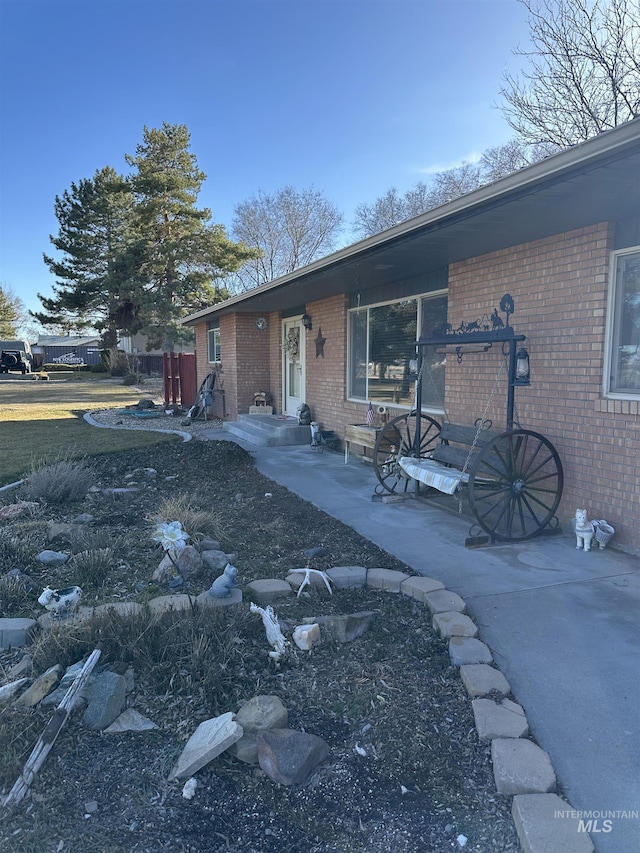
[59, 601]
[275, 637]
[304, 415]
[222, 586]
[584, 530]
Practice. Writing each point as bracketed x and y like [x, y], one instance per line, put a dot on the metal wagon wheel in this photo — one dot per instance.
[515, 485]
[398, 439]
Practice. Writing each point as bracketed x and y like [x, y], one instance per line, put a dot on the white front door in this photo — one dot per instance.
[293, 365]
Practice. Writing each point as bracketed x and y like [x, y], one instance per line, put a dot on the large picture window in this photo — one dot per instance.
[624, 325]
[382, 352]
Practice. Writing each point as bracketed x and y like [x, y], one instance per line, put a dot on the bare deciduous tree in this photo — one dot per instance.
[392, 208]
[584, 71]
[291, 228]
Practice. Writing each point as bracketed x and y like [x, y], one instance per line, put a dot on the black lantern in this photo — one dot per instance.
[306, 322]
[523, 374]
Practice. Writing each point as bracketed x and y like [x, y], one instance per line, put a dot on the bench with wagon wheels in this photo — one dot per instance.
[510, 481]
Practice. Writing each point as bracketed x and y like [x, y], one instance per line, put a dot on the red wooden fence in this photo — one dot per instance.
[179, 372]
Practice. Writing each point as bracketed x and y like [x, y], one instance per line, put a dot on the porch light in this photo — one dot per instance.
[306, 322]
[523, 374]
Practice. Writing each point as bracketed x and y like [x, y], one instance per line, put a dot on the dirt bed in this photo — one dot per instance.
[406, 772]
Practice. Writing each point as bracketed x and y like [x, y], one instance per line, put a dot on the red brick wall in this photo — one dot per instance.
[559, 286]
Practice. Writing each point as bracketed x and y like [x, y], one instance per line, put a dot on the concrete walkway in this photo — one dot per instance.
[563, 626]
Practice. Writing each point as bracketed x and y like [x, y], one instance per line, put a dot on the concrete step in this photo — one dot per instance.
[269, 430]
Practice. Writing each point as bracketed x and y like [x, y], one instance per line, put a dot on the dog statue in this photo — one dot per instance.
[584, 530]
[60, 601]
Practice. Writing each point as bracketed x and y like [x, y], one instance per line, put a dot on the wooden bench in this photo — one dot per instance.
[448, 468]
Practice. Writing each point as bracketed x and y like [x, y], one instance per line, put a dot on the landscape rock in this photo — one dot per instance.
[468, 650]
[210, 739]
[348, 577]
[130, 720]
[16, 577]
[387, 579]
[52, 558]
[216, 560]
[258, 714]
[63, 532]
[480, 679]
[420, 587]
[521, 767]
[106, 694]
[163, 603]
[24, 667]
[41, 687]
[7, 691]
[18, 509]
[268, 590]
[306, 636]
[16, 631]
[443, 600]
[290, 757]
[499, 719]
[540, 830]
[454, 624]
[189, 565]
[210, 545]
[343, 628]
[207, 600]
[314, 553]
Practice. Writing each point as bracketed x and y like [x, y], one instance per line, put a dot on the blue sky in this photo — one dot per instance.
[351, 97]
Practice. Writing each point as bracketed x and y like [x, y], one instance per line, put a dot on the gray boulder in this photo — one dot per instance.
[290, 757]
[257, 715]
[106, 695]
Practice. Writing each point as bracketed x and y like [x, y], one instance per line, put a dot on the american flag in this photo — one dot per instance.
[370, 415]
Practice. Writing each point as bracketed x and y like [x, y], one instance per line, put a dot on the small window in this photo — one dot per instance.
[623, 350]
[213, 342]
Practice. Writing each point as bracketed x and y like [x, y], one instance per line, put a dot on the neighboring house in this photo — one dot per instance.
[562, 237]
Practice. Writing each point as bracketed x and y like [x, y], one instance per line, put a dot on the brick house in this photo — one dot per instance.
[562, 237]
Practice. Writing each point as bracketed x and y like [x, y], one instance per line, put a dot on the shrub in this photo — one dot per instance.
[198, 523]
[133, 379]
[66, 481]
[91, 568]
[14, 596]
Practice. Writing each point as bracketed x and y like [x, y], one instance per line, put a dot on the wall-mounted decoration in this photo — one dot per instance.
[291, 343]
[261, 323]
[320, 341]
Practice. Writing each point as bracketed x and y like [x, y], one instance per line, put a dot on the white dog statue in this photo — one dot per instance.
[59, 601]
[584, 530]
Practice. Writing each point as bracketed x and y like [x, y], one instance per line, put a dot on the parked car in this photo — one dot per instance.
[14, 360]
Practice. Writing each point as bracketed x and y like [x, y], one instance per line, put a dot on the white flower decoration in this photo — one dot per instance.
[171, 535]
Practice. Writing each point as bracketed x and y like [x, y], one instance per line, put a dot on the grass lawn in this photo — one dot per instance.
[42, 421]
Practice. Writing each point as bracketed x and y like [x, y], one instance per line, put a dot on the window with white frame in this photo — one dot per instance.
[213, 344]
[382, 351]
[623, 355]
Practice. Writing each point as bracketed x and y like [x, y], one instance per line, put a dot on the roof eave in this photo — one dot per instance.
[592, 150]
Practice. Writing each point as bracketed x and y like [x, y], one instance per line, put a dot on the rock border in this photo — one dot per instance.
[521, 768]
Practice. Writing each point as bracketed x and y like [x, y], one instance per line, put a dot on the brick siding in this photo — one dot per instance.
[559, 287]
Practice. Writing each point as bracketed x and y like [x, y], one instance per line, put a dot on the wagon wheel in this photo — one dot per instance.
[396, 440]
[515, 485]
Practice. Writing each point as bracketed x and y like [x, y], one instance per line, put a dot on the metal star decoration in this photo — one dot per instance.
[320, 343]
